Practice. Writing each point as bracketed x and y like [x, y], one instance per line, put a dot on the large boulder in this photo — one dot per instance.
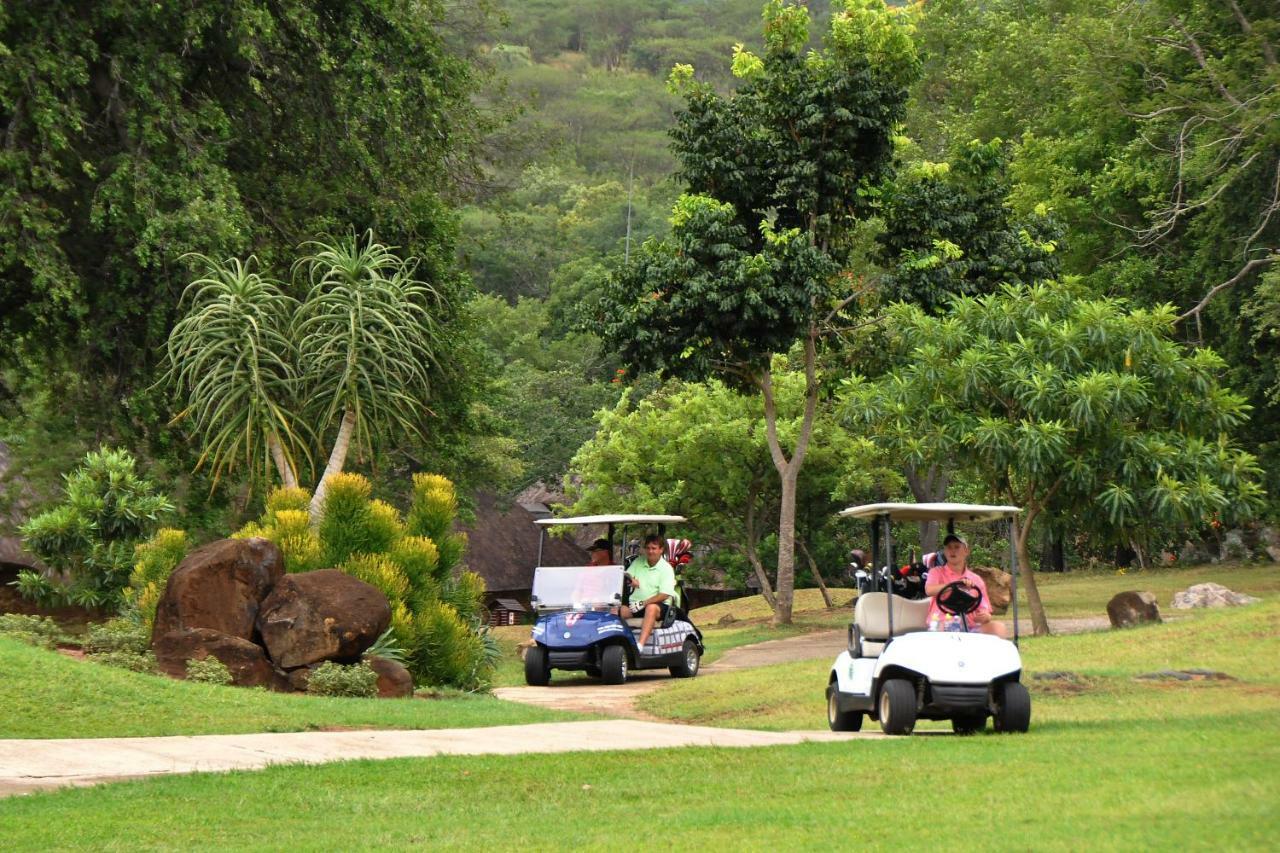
[1130, 608]
[324, 615]
[394, 680]
[246, 661]
[219, 586]
[999, 586]
[1210, 595]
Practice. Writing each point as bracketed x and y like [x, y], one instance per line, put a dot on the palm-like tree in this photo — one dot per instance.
[264, 376]
[233, 360]
[366, 338]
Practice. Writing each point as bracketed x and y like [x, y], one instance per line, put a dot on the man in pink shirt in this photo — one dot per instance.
[956, 568]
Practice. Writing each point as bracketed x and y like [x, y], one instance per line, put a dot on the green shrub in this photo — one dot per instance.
[117, 635]
[35, 630]
[335, 679]
[208, 671]
[448, 650]
[155, 561]
[133, 661]
[414, 562]
[89, 539]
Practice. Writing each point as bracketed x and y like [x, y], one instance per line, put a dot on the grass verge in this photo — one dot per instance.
[1190, 781]
[46, 695]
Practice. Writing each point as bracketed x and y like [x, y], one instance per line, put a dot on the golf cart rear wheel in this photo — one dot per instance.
[1013, 708]
[613, 665]
[898, 707]
[537, 669]
[967, 724]
[690, 660]
[841, 721]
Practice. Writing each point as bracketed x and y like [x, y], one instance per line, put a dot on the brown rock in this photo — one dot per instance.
[247, 661]
[394, 679]
[219, 586]
[324, 615]
[998, 587]
[1130, 608]
[300, 677]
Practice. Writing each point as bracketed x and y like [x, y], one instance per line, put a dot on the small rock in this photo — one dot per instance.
[1210, 595]
[394, 679]
[727, 619]
[1233, 547]
[1130, 608]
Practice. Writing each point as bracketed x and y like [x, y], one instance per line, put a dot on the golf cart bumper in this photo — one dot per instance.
[572, 658]
[957, 698]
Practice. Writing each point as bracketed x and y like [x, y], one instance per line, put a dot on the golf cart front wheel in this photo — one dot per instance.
[898, 707]
[613, 665]
[1013, 708]
[537, 669]
[690, 660]
[837, 720]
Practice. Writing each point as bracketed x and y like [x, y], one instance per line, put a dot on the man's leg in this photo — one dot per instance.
[650, 618]
[995, 628]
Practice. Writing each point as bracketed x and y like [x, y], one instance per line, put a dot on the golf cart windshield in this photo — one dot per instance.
[576, 587]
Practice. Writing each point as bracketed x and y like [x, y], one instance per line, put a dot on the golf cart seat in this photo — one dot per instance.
[871, 621]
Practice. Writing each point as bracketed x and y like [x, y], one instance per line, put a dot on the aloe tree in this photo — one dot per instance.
[366, 337]
[266, 376]
[232, 358]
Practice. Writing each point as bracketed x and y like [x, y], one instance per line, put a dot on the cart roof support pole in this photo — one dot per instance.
[1013, 573]
[542, 537]
[888, 581]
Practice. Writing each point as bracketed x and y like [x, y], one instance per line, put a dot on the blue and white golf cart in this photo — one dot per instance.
[575, 628]
[896, 671]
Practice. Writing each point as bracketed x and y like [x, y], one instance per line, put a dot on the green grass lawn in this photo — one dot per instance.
[1181, 770]
[46, 695]
[1110, 763]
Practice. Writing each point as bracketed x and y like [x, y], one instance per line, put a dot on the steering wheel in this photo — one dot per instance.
[958, 599]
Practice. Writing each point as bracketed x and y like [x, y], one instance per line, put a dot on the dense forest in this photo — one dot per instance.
[1115, 165]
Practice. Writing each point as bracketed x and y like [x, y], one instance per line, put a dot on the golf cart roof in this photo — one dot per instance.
[612, 519]
[931, 512]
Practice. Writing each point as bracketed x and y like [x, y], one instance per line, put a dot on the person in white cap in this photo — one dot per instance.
[956, 568]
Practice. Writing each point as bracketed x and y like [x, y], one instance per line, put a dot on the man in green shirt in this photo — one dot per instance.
[655, 588]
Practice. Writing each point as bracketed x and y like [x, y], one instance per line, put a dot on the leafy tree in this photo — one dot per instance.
[948, 230]
[138, 133]
[260, 372]
[87, 542]
[701, 449]
[1150, 131]
[1063, 402]
[778, 174]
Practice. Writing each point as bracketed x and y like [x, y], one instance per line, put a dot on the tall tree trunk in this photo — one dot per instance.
[281, 460]
[789, 472]
[751, 539]
[337, 458]
[817, 575]
[1039, 622]
[928, 486]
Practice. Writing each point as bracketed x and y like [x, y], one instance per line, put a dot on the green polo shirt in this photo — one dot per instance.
[651, 580]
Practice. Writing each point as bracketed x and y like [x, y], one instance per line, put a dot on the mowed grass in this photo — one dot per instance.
[1203, 777]
[46, 695]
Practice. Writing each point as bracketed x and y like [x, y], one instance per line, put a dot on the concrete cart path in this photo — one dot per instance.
[29, 765]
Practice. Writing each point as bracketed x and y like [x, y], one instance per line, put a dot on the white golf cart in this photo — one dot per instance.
[896, 671]
[576, 629]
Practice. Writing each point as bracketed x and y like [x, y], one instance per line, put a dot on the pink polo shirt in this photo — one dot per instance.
[945, 574]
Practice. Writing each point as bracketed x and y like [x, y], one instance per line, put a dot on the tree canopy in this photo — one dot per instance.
[1063, 401]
